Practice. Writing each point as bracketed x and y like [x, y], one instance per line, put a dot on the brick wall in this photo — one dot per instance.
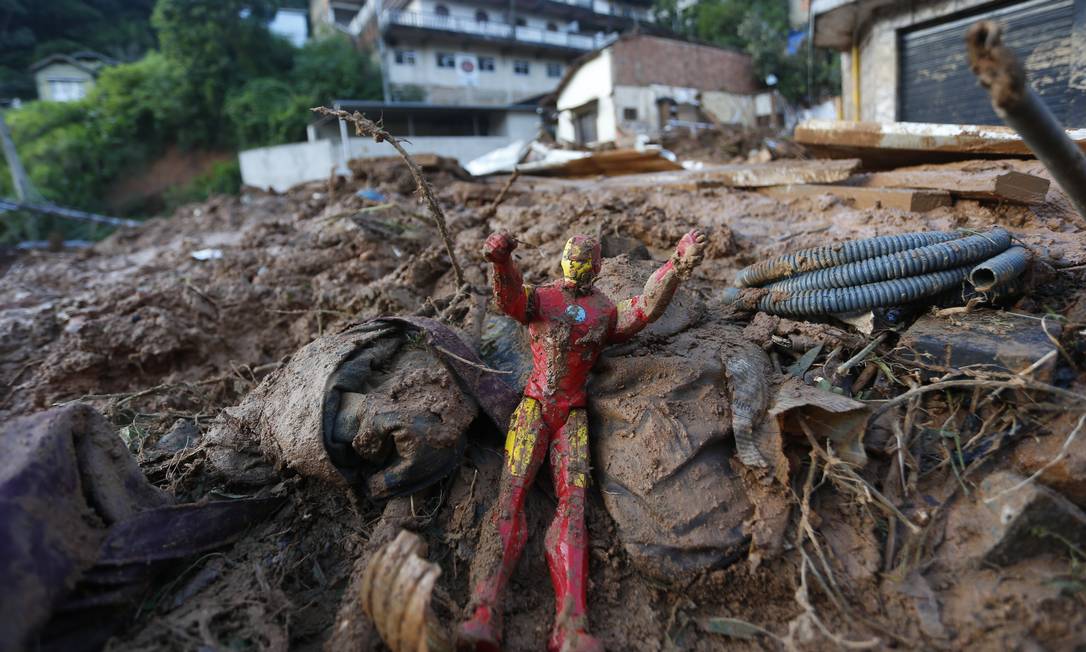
[642, 60]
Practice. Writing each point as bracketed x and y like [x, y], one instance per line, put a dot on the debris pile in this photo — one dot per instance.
[756, 477]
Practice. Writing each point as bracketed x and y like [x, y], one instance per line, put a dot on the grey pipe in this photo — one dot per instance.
[807, 260]
[831, 301]
[999, 70]
[1006, 266]
[913, 262]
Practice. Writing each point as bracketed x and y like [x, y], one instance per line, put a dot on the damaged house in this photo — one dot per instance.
[641, 84]
[905, 61]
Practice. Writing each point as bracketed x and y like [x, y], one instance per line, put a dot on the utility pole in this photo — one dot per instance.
[24, 189]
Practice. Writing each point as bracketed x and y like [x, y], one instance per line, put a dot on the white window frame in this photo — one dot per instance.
[404, 57]
[554, 69]
[491, 61]
[518, 63]
[446, 60]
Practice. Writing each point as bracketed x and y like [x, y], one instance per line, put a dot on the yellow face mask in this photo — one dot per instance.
[577, 264]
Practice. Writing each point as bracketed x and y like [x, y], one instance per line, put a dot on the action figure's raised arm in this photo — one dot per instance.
[640, 311]
[514, 298]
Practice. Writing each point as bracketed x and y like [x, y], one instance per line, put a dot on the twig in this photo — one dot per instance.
[1048, 465]
[469, 362]
[493, 208]
[1016, 382]
[366, 127]
[859, 357]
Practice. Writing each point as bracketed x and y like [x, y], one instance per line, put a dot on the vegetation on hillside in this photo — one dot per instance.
[761, 29]
[218, 80]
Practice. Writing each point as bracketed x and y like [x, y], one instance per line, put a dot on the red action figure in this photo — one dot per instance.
[569, 323]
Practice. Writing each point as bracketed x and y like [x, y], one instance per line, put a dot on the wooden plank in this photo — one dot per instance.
[748, 175]
[998, 185]
[907, 200]
[886, 145]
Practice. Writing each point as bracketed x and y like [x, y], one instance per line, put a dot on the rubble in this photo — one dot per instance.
[1008, 520]
[139, 329]
[981, 340]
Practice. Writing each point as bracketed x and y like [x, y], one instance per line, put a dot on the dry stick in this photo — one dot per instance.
[859, 357]
[493, 208]
[366, 127]
[1048, 465]
[853, 477]
[1017, 382]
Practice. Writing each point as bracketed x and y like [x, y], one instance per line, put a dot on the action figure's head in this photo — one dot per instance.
[581, 261]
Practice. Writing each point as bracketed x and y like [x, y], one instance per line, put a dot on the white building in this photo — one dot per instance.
[641, 84]
[484, 52]
[68, 77]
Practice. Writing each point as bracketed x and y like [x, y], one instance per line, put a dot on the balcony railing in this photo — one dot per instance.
[492, 29]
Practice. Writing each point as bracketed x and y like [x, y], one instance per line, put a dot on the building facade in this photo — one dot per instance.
[642, 84]
[68, 77]
[906, 62]
[486, 52]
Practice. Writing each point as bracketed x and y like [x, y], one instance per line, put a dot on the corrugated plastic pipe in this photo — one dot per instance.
[809, 283]
[808, 260]
[1002, 268]
[922, 260]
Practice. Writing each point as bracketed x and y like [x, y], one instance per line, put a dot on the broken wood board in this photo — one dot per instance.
[608, 163]
[905, 199]
[997, 185]
[887, 145]
[750, 175]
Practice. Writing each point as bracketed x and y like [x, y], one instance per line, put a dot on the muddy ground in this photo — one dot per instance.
[159, 340]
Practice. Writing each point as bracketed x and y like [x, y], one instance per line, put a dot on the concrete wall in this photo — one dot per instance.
[283, 166]
[731, 108]
[592, 81]
[878, 52]
[447, 86]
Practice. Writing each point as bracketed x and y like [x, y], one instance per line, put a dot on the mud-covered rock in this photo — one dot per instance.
[372, 405]
[1008, 520]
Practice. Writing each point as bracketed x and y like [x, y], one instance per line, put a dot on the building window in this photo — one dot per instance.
[486, 64]
[520, 22]
[67, 90]
[446, 60]
[551, 27]
[554, 69]
[629, 114]
[481, 17]
[405, 57]
[521, 67]
[441, 10]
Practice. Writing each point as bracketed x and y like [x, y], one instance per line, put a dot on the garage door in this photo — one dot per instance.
[936, 85]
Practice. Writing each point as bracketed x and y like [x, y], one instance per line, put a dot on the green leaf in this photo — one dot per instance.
[803, 364]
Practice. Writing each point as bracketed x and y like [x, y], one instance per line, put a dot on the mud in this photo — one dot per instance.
[139, 328]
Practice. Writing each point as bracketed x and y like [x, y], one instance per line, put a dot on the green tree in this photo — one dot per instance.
[220, 44]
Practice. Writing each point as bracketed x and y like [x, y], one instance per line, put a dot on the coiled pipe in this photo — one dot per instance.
[808, 260]
[918, 266]
[922, 260]
[1002, 268]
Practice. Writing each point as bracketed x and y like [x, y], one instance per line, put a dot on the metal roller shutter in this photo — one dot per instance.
[936, 85]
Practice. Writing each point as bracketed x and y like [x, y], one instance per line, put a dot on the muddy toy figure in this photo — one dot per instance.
[569, 322]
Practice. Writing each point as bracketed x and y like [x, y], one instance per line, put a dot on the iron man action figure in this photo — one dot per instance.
[569, 323]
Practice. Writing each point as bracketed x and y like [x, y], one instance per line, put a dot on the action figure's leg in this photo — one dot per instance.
[567, 537]
[505, 529]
